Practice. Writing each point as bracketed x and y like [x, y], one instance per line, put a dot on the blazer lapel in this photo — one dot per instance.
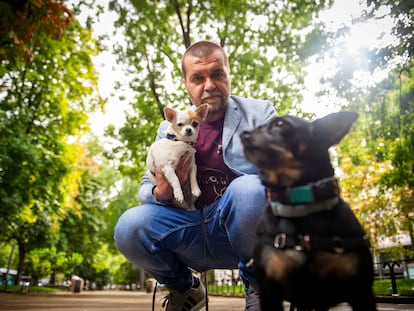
[231, 122]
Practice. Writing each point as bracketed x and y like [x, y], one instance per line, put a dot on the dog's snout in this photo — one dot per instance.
[188, 131]
[246, 135]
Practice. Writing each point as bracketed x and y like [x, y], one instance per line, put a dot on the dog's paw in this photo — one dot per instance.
[196, 192]
[178, 196]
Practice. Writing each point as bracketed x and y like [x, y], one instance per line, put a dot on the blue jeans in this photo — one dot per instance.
[164, 241]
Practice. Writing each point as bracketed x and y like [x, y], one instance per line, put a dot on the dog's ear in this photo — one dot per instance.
[330, 129]
[169, 114]
[202, 111]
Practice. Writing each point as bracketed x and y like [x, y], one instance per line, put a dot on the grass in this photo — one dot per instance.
[405, 287]
[31, 289]
[227, 290]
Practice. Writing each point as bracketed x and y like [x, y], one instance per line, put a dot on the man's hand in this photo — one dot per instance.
[163, 191]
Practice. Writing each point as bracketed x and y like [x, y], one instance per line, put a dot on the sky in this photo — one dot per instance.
[341, 13]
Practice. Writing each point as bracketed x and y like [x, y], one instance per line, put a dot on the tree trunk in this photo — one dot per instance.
[20, 265]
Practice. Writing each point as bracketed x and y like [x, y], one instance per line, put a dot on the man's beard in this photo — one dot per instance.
[217, 108]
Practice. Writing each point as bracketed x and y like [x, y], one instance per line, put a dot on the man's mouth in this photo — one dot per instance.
[211, 98]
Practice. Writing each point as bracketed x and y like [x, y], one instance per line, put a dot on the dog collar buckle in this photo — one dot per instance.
[302, 194]
[280, 240]
[298, 243]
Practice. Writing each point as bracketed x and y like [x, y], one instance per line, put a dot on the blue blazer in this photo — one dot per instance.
[241, 114]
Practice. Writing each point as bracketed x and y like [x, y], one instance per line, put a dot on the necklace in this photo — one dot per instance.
[219, 146]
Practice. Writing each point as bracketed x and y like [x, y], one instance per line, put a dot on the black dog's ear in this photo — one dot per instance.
[330, 129]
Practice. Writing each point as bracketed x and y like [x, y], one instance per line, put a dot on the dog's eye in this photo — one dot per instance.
[180, 124]
[278, 124]
[194, 124]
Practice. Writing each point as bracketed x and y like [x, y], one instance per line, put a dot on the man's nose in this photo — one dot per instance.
[209, 85]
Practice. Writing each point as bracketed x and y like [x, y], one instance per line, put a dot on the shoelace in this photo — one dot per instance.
[153, 296]
[166, 300]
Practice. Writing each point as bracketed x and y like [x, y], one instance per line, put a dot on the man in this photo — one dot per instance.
[166, 241]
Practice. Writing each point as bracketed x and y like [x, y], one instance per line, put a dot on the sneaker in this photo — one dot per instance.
[253, 299]
[193, 299]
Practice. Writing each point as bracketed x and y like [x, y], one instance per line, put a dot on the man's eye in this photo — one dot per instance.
[218, 75]
[197, 79]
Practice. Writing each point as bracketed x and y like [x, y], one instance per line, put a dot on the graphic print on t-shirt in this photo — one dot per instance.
[214, 182]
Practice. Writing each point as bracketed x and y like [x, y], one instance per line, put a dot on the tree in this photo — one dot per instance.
[47, 262]
[21, 21]
[262, 39]
[377, 158]
[355, 69]
[377, 161]
[43, 111]
[128, 274]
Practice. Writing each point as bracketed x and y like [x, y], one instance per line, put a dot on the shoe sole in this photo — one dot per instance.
[199, 306]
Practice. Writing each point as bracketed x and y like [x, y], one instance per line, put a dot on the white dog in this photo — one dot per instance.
[165, 153]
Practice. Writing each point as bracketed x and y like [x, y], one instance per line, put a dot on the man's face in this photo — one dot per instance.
[207, 80]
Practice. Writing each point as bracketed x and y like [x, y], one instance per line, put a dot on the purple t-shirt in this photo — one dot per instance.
[213, 175]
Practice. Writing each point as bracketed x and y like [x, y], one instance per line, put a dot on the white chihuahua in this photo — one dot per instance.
[165, 153]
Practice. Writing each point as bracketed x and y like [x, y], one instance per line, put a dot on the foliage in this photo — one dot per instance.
[5, 250]
[262, 40]
[355, 71]
[22, 21]
[127, 274]
[126, 197]
[376, 158]
[44, 262]
[402, 50]
[44, 103]
[84, 230]
[378, 178]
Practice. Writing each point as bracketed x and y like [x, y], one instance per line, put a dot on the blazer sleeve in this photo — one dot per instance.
[145, 189]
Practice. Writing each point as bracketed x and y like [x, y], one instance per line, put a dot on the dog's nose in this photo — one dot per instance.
[188, 131]
[246, 135]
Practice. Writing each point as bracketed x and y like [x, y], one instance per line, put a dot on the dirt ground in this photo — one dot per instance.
[100, 301]
[126, 301]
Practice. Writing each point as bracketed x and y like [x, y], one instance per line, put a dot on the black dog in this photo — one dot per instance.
[310, 248]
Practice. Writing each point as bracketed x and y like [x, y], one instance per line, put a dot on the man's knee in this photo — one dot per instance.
[248, 186]
[129, 225]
